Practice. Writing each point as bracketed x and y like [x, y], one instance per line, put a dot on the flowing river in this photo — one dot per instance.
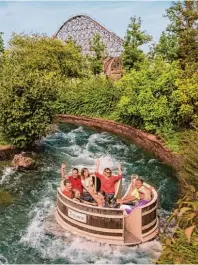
[23, 237]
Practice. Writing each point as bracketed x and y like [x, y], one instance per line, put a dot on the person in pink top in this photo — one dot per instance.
[108, 180]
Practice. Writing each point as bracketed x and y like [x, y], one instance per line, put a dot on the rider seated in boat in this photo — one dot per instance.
[141, 202]
[88, 185]
[67, 189]
[134, 195]
[100, 198]
[77, 197]
[75, 178]
[107, 180]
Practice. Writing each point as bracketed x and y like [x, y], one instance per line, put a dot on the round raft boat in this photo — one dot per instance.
[109, 225]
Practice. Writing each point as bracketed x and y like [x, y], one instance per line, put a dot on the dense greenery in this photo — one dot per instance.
[181, 246]
[133, 55]
[98, 49]
[33, 69]
[96, 96]
[1, 43]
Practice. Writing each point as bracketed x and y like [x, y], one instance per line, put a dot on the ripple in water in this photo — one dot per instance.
[23, 226]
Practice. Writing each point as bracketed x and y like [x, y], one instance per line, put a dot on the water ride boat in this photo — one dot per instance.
[109, 225]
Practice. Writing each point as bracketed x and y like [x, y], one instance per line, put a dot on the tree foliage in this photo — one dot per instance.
[33, 69]
[39, 52]
[96, 96]
[25, 99]
[189, 150]
[167, 47]
[134, 39]
[147, 100]
[98, 49]
[183, 16]
[1, 43]
[181, 246]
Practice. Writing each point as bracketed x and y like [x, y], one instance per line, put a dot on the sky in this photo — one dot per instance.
[48, 16]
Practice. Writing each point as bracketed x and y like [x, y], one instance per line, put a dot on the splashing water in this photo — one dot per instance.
[22, 224]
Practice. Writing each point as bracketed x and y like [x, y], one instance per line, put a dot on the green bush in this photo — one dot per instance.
[147, 100]
[180, 247]
[96, 96]
[25, 102]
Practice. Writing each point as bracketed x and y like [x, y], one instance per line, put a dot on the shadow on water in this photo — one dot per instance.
[22, 230]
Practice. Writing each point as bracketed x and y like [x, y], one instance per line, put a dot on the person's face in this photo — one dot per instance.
[69, 186]
[86, 173]
[138, 184]
[107, 173]
[77, 194]
[74, 173]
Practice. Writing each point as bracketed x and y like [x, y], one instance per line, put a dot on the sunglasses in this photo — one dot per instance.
[108, 172]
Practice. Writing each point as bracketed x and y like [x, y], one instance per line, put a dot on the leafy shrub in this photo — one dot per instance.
[96, 96]
[147, 100]
[181, 246]
[25, 100]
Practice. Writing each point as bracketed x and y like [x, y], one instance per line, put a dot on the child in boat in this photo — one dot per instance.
[137, 187]
[67, 189]
[88, 185]
[107, 180]
[77, 198]
[100, 198]
[141, 202]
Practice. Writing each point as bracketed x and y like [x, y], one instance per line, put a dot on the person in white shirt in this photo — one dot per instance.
[88, 185]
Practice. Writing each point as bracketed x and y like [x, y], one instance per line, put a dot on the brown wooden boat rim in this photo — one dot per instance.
[154, 198]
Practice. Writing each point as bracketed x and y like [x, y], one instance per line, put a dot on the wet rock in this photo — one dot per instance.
[20, 161]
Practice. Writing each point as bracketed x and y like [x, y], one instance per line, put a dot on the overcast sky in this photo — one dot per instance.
[48, 16]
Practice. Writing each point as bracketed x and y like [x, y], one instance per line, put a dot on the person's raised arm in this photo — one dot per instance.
[119, 170]
[63, 175]
[97, 165]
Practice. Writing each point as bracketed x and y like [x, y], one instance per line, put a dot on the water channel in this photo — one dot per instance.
[23, 238]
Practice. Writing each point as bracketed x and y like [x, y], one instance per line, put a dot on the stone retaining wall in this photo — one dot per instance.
[147, 141]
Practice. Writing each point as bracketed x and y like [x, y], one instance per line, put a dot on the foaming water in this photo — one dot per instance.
[6, 175]
[24, 238]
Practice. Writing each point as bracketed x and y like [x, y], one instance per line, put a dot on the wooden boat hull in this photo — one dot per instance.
[107, 225]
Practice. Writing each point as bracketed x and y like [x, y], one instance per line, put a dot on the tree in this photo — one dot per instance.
[48, 55]
[189, 150]
[134, 39]
[186, 96]
[1, 43]
[167, 47]
[98, 49]
[147, 98]
[183, 17]
[33, 69]
[25, 99]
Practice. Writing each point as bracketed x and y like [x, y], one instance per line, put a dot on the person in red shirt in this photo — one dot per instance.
[67, 190]
[75, 178]
[107, 180]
